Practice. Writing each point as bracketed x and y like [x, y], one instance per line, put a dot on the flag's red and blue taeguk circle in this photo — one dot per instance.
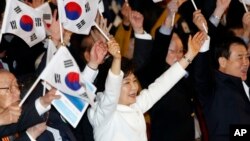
[26, 23]
[72, 81]
[73, 10]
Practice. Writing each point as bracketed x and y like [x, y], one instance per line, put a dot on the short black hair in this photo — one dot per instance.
[127, 66]
[222, 48]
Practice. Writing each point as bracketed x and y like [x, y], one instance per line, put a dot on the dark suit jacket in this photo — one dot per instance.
[20, 57]
[223, 98]
[54, 119]
[171, 117]
[28, 118]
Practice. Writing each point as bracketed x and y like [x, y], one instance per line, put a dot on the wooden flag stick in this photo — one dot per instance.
[60, 23]
[244, 4]
[29, 92]
[95, 24]
[195, 7]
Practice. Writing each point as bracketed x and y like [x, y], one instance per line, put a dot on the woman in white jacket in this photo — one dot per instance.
[118, 112]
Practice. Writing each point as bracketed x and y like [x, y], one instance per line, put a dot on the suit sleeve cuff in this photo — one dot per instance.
[165, 30]
[144, 36]
[214, 21]
[39, 107]
[30, 137]
[89, 74]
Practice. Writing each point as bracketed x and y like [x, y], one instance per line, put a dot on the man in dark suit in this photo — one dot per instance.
[9, 96]
[223, 92]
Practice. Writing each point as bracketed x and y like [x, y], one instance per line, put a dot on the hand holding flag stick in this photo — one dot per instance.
[203, 24]
[54, 29]
[172, 8]
[101, 31]
[101, 25]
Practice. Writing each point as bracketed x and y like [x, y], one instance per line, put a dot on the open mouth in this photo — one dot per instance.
[133, 95]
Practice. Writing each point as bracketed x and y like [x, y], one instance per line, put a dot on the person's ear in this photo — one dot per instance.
[222, 62]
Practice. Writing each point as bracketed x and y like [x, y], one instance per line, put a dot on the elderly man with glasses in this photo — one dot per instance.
[14, 120]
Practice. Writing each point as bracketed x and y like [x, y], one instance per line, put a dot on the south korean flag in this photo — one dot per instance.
[63, 73]
[78, 16]
[23, 21]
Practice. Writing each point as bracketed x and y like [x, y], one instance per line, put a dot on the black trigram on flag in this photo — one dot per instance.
[87, 7]
[38, 22]
[33, 37]
[17, 9]
[80, 24]
[57, 78]
[46, 16]
[68, 63]
[84, 95]
[13, 24]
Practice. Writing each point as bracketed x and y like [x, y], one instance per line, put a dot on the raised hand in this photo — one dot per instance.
[114, 49]
[48, 98]
[136, 20]
[66, 36]
[172, 7]
[199, 20]
[195, 43]
[54, 29]
[246, 24]
[102, 23]
[126, 9]
[10, 114]
[97, 54]
[221, 6]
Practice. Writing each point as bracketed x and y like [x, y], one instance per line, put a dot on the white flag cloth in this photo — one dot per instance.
[246, 1]
[47, 13]
[51, 50]
[101, 6]
[78, 16]
[23, 21]
[63, 73]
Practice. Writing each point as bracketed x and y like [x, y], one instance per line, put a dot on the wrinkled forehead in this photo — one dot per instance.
[6, 78]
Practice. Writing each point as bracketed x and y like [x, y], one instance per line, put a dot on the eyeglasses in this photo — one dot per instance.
[13, 88]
